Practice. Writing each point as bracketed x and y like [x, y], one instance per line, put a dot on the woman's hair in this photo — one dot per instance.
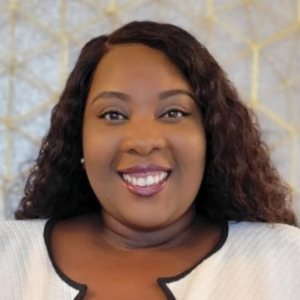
[240, 182]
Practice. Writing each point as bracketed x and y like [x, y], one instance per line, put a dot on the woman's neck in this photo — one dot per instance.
[121, 236]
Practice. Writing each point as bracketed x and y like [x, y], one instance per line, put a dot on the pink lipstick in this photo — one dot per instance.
[145, 180]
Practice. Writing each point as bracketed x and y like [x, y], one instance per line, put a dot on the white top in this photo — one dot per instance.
[253, 261]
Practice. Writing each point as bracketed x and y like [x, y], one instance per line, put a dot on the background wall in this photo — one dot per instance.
[257, 43]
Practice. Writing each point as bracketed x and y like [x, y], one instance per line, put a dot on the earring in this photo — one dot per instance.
[82, 160]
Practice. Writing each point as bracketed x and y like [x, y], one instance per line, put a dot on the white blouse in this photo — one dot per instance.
[252, 261]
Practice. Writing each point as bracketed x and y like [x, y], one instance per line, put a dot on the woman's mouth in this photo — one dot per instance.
[145, 183]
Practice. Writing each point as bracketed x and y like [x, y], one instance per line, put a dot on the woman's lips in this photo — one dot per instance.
[145, 191]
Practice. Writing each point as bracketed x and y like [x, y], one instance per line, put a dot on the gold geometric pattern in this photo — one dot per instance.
[257, 42]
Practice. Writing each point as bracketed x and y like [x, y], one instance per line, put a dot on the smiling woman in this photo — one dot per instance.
[152, 183]
[149, 124]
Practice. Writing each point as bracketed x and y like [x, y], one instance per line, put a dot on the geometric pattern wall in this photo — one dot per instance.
[257, 42]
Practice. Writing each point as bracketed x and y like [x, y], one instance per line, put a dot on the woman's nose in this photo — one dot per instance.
[143, 138]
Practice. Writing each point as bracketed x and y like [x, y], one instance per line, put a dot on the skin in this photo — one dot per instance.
[146, 237]
[148, 136]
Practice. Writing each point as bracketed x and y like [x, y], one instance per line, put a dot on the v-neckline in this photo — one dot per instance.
[162, 281]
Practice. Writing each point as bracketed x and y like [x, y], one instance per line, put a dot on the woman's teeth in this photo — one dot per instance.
[145, 181]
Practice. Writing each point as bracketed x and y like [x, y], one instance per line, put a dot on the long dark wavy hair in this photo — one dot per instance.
[240, 182]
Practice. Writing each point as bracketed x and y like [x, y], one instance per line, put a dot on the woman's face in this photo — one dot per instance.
[143, 139]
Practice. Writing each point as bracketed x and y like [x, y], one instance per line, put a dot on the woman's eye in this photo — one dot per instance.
[175, 113]
[112, 115]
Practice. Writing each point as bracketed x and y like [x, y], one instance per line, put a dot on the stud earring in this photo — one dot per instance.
[82, 160]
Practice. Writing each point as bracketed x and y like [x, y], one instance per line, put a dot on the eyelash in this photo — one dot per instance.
[184, 114]
[103, 116]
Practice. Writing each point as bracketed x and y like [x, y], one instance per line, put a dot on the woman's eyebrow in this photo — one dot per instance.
[111, 94]
[170, 93]
[126, 97]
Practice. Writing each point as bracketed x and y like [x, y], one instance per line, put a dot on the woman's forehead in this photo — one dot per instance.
[136, 67]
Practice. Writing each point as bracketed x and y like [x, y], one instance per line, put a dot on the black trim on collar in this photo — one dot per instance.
[162, 281]
[47, 237]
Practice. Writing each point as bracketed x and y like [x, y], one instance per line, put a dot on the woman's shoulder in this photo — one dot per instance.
[21, 225]
[264, 236]
[21, 242]
[260, 228]
[19, 231]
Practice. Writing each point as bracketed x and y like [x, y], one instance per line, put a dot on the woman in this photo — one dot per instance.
[152, 183]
